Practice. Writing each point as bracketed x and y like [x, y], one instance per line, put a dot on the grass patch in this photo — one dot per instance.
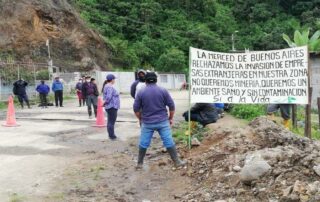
[180, 132]
[57, 196]
[248, 111]
[315, 132]
[3, 105]
[16, 198]
[96, 171]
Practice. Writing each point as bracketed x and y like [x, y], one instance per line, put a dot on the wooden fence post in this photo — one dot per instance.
[294, 116]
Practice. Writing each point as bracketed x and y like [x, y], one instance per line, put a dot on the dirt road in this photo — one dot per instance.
[56, 155]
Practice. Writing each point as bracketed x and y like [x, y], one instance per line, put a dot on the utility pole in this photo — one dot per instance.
[50, 63]
[232, 39]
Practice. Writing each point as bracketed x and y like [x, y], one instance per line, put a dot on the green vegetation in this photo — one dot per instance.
[315, 133]
[157, 34]
[16, 198]
[302, 39]
[248, 112]
[180, 132]
[3, 105]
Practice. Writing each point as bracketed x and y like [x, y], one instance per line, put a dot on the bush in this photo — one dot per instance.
[249, 111]
[42, 75]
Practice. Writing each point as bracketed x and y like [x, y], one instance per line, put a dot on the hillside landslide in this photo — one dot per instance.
[25, 26]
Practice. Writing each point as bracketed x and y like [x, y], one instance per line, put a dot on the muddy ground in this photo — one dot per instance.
[56, 155]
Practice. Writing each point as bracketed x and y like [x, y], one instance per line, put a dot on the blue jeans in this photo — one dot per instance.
[163, 128]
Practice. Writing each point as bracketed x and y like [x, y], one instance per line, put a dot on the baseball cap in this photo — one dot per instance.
[110, 77]
[151, 76]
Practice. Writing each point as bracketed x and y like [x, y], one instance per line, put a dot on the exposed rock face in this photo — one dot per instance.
[25, 26]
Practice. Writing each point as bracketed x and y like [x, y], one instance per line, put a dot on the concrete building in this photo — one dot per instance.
[125, 79]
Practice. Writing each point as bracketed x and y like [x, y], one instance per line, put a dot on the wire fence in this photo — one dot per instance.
[33, 73]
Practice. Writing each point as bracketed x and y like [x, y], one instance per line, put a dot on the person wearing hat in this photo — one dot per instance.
[79, 92]
[90, 93]
[57, 88]
[43, 90]
[111, 99]
[150, 107]
[138, 84]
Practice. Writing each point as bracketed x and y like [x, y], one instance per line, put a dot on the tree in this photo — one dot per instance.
[302, 39]
[172, 61]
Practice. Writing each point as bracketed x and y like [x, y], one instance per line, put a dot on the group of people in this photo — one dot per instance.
[20, 90]
[150, 108]
[87, 92]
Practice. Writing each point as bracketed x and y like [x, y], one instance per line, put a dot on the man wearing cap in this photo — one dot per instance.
[138, 84]
[90, 93]
[57, 88]
[150, 107]
[79, 92]
[111, 103]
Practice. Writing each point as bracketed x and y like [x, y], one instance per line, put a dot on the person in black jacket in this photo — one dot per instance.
[19, 89]
[90, 93]
[204, 113]
[141, 78]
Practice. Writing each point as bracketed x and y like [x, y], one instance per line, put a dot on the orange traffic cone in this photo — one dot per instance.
[11, 117]
[100, 122]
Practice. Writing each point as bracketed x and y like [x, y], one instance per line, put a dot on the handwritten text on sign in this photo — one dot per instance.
[279, 76]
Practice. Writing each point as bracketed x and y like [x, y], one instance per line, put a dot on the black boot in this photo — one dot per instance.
[79, 103]
[21, 103]
[174, 156]
[142, 153]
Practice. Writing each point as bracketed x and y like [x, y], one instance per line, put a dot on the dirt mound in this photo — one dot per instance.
[262, 162]
[27, 24]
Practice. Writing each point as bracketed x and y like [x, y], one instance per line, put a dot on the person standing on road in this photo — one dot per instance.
[91, 93]
[79, 92]
[140, 81]
[19, 89]
[43, 90]
[111, 99]
[150, 107]
[57, 88]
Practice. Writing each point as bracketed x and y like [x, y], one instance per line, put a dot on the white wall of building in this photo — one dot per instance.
[125, 79]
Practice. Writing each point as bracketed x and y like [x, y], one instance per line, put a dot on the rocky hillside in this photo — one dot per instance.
[25, 26]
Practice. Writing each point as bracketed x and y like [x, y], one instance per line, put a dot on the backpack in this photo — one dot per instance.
[15, 90]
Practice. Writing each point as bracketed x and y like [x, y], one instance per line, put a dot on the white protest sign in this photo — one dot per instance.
[278, 76]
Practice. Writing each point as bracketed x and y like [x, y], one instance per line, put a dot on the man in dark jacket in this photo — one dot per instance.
[19, 89]
[141, 78]
[204, 113]
[90, 93]
[43, 90]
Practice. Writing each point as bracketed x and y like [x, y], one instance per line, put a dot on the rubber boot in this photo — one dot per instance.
[286, 123]
[174, 156]
[142, 153]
